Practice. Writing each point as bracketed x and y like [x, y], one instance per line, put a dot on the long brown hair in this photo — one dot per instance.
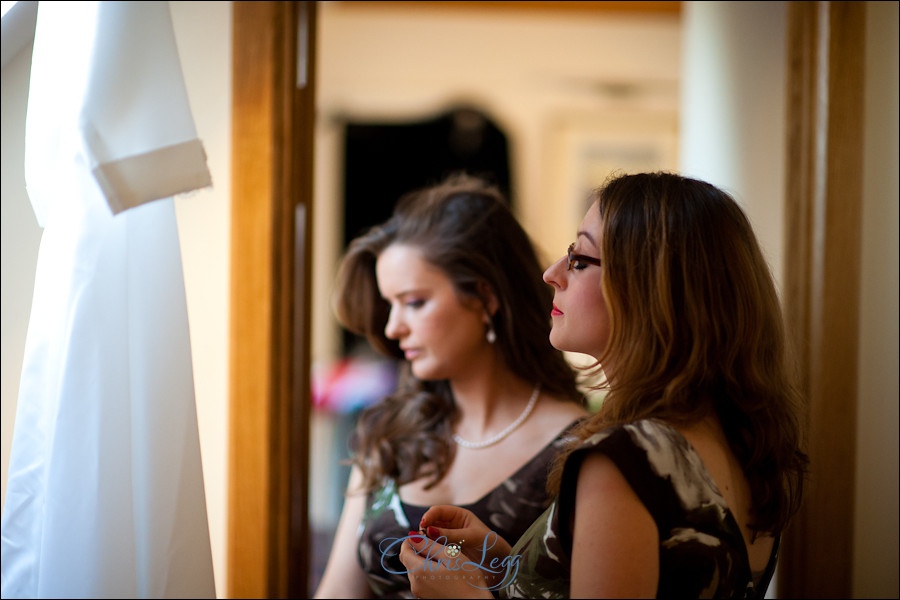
[695, 327]
[463, 227]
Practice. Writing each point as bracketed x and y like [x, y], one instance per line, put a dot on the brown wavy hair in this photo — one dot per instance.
[695, 327]
[464, 227]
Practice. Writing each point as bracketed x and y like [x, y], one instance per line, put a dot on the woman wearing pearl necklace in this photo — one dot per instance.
[681, 484]
[451, 285]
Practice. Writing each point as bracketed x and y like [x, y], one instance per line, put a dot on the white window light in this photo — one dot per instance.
[5, 6]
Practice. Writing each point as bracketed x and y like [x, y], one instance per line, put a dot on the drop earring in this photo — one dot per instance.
[490, 335]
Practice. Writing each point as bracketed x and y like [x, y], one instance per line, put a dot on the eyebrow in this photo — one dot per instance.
[588, 236]
[405, 294]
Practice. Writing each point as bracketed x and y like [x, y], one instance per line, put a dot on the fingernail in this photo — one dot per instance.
[432, 532]
[415, 537]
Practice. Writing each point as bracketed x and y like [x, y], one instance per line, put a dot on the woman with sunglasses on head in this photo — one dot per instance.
[681, 484]
[451, 285]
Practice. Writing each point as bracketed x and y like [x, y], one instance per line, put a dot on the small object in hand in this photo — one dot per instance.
[454, 548]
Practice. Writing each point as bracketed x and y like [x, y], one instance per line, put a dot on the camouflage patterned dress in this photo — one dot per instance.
[508, 510]
[702, 553]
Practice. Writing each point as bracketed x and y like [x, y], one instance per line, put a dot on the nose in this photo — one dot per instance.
[394, 329]
[555, 274]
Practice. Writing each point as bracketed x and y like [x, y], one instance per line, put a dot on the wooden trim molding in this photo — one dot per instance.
[272, 132]
[664, 7]
[826, 43]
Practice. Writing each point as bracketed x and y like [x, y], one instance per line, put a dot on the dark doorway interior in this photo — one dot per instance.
[385, 160]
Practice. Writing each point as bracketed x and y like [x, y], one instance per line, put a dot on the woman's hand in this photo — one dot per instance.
[461, 557]
[460, 526]
[436, 570]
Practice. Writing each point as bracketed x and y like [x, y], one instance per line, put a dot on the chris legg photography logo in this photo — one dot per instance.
[440, 554]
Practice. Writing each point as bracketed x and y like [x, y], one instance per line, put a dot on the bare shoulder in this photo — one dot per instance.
[615, 540]
[600, 478]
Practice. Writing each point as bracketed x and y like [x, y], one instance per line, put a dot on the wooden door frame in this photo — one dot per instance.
[826, 82]
[273, 92]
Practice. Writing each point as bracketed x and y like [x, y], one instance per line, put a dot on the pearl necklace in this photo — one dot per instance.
[512, 426]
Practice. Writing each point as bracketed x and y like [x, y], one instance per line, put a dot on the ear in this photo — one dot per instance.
[488, 299]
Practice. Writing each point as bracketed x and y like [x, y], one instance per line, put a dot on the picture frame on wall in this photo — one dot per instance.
[590, 147]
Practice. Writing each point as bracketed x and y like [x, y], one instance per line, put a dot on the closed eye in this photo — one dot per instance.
[579, 265]
[579, 261]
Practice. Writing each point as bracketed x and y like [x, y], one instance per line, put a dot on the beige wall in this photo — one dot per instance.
[875, 551]
[203, 34]
[733, 109]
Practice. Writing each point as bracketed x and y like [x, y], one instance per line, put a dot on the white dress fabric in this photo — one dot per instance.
[105, 494]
